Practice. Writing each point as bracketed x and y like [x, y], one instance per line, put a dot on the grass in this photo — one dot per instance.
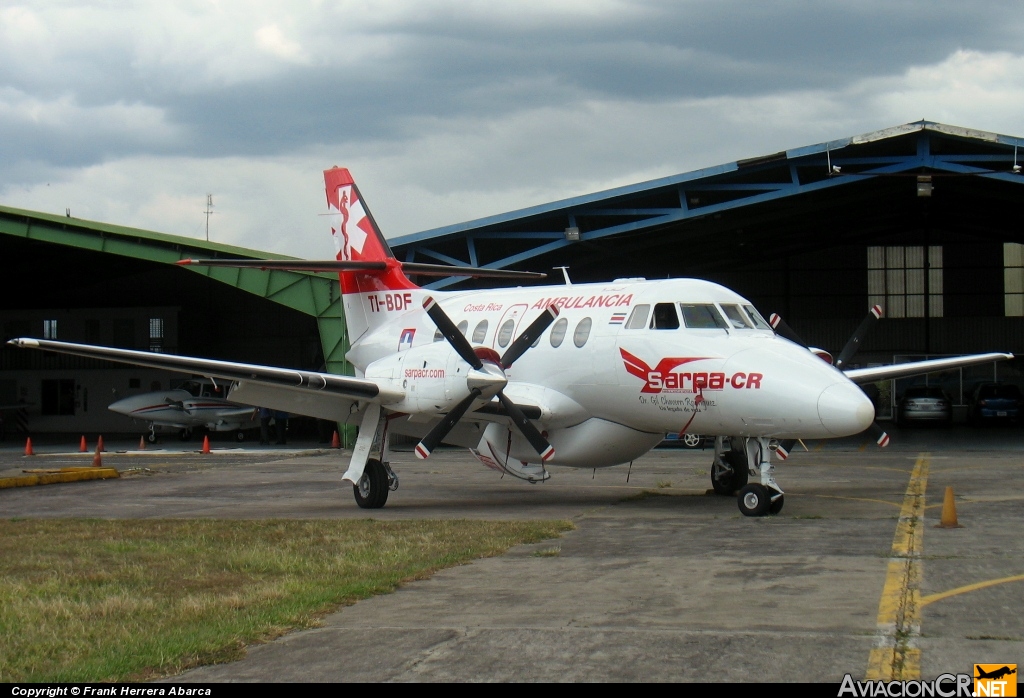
[90, 600]
[554, 551]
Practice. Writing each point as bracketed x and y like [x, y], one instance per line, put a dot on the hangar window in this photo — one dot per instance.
[480, 332]
[505, 333]
[1013, 278]
[900, 279]
[582, 333]
[156, 333]
[702, 316]
[49, 329]
[558, 332]
[665, 317]
[638, 318]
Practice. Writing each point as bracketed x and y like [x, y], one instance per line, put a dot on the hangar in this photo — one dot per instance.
[95, 283]
[922, 219]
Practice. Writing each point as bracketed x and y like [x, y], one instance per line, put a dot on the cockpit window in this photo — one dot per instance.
[638, 318]
[702, 316]
[759, 321]
[736, 317]
[665, 317]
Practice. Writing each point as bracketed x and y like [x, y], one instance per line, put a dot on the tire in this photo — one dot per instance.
[692, 440]
[753, 500]
[372, 490]
[151, 438]
[240, 436]
[776, 506]
[726, 484]
[185, 434]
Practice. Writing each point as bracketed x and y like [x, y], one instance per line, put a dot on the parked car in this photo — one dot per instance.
[687, 440]
[922, 404]
[993, 403]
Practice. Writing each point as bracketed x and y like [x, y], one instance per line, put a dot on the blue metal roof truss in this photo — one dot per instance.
[608, 208]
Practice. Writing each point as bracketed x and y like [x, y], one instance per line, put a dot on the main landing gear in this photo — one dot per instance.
[734, 465]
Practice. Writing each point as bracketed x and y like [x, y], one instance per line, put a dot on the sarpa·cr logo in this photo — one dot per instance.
[995, 680]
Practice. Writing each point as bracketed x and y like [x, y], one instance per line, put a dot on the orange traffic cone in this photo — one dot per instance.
[99, 445]
[97, 460]
[335, 440]
[948, 519]
[82, 447]
[206, 444]
[28, 447]
[142, 443]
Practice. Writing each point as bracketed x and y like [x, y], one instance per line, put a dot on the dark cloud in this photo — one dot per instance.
[454, 65]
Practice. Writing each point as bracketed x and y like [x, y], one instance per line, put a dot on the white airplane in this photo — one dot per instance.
[196, 404]
[584, 375]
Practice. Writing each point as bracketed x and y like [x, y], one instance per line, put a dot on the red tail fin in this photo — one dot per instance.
[357, 237]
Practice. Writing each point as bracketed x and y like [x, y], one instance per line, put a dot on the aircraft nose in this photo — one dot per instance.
[844, 409]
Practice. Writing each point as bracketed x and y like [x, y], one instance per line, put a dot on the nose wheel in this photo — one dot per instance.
[761, 498]
[757, 500]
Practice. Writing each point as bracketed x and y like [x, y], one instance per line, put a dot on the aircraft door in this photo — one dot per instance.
[508, 326]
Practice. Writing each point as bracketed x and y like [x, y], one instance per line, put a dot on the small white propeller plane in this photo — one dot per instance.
[195, 404]
[584, 375]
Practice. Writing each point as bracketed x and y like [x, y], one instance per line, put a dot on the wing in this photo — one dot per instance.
[322, 395]
[916, 368]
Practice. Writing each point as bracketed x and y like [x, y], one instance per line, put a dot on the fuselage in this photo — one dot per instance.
[650, 356]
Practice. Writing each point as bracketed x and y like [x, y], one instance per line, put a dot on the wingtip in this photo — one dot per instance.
[184, 262]
[23, 342]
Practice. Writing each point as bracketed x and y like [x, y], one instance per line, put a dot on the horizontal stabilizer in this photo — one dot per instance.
[343, 265]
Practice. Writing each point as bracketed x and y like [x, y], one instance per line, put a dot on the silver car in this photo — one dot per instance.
[923, 404]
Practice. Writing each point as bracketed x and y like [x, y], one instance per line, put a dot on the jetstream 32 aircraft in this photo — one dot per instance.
[587, 375]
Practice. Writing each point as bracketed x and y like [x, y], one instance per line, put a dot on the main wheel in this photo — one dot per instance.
[754, 500]
[185, 434]
[240, 436]
[372, 490]
[726, 482]
[151, 438]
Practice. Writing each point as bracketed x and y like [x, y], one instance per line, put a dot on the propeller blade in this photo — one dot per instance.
[854, 342]
[539, 443]
[785, 448]
[429, 442]
[527, 338]
[784, 330]
[452, 334]
[881, 438]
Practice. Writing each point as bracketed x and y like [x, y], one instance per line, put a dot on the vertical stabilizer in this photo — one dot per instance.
[357, 238]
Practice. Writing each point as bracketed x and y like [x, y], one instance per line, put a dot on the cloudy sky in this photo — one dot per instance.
[446, 111]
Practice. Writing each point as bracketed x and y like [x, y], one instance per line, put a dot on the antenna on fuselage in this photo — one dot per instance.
[565, 273]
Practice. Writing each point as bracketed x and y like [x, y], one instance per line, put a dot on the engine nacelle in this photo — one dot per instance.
[432, 377]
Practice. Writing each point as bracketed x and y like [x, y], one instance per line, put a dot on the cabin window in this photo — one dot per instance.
[505, 333]
[759, 321]
[480, 332]
[665, 317]
[438, 336]
[582, 333]
[463, 327]
[736, 317]
[558, 332]
[702, 316]
[638, 318]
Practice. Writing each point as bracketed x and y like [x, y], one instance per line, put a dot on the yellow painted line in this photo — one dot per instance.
[932, 598]
[68, 475]
[896, 655]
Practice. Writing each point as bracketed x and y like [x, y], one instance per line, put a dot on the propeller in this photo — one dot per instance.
[486, 375]
[852, 345]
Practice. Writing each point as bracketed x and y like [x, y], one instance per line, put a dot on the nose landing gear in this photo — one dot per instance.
[732, 468]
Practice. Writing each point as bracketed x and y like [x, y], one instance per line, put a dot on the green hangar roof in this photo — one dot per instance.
[756, 211]
[30, 241]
